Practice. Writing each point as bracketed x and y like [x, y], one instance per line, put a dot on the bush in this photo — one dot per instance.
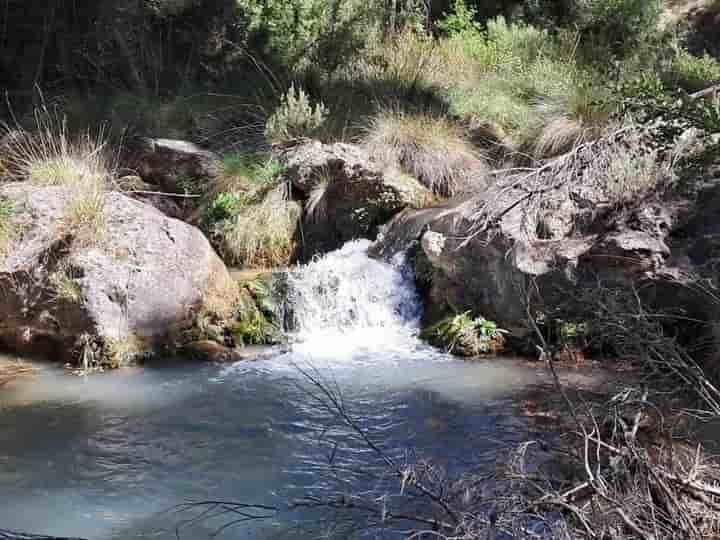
[618, 24]
[295, 117]
[303, 33]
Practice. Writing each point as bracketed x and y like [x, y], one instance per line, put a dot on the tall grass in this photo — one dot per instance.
[430, 148]
[261, 235]
[49, 156]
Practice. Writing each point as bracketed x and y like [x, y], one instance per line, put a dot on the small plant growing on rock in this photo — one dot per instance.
[63, 282]
[464, 335]
[296, 117]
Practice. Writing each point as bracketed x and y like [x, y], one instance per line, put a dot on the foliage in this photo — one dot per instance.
[301, 33]
[690, 72]
[223, 206]
[618, 25]
[465, 336]
[251, 169]
[295, 117]
[246, 178]
[461, 19]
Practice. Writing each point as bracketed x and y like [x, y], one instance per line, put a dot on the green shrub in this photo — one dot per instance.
[303, 33]
[461, 19]
[618, 24]
[295, 117]
[692, 73]
[223, 206]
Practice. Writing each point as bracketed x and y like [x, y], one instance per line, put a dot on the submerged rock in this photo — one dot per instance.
[347, 195]
[115, 291]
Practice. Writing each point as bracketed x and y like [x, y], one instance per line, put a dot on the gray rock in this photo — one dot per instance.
[175, 166]
[144, 275]
[497, 252]
[347, 195]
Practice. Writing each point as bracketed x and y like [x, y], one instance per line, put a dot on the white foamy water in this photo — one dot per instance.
[346, 303]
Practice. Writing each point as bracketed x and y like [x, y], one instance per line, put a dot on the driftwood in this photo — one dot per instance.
[14, 535]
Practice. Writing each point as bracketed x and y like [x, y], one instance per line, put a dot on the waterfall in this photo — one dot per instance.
[347, 301]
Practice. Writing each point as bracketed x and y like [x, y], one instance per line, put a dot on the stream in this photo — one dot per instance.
[112, 455]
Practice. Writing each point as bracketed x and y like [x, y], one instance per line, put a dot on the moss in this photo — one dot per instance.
[252, 326]
[123, 352]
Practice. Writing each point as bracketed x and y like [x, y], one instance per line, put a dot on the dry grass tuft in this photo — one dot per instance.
[429, 148]
[64, 285]
[48, 156]
[261, 235]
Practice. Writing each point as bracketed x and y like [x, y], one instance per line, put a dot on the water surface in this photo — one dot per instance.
[108, 455]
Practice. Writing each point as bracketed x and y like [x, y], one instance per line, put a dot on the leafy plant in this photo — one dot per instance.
[224, 206]
[465, 336]
[461, 19]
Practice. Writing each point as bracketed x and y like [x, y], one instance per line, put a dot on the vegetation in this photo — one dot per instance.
[464, 335]
[261, 235]
[521, 97]
[51, 156]
[428, 148]
[64, 285]
[295, 117]
[8, 225]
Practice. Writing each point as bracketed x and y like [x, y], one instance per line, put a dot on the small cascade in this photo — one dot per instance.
[346, 300]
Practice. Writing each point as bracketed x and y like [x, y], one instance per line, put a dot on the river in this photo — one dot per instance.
[111, 455]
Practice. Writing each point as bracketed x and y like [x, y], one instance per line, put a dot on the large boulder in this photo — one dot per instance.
[173, 165]
[347, 195]
[112, 295]
[537, 243]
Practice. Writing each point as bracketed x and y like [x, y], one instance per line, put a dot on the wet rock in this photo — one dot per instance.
[348, 196]
[210, 351]
[138, 276]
